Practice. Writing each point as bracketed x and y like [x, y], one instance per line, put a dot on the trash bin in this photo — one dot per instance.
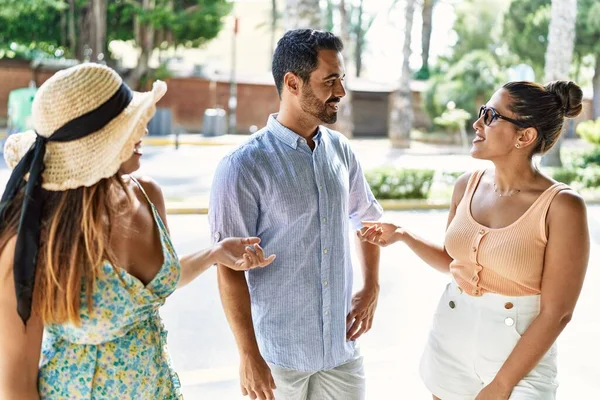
[19, 110]
[161, 122]
[214, 122]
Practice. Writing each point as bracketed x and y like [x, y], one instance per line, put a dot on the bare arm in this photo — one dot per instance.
[256, 378]
[565, 264]
[433, 254]
[231, 252]
[20, 347]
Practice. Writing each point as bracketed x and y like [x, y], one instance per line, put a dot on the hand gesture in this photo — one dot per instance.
[379, 233]
[256, 380]
[241, 254]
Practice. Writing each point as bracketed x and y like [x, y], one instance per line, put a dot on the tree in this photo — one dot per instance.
[151, 24]
[345, 123]
[477, 27]
[401, 115]
[559, 55]
[303, 14]
[426, 29]
[526, 32]
[587, 43]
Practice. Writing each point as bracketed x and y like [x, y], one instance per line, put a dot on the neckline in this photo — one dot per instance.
[529, 210]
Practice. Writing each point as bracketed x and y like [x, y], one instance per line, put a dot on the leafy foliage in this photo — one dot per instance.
[590, 131]
[42, 24]
[389, 183]
[470, 81]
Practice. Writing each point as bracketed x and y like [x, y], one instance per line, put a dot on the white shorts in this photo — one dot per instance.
[472, 337]
[344, 382]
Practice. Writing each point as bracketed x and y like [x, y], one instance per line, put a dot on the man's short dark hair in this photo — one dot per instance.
[297, 52]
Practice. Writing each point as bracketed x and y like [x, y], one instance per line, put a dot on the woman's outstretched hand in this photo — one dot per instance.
[241, 254]
[379, 233]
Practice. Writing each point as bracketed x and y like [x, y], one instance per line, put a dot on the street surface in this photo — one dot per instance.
[205, 356]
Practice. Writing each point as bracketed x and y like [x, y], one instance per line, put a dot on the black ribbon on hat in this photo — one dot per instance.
[28, 234]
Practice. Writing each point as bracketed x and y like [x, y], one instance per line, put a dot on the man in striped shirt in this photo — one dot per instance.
[299, 187]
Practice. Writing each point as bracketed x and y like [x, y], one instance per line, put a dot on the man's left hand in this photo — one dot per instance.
[360, 319]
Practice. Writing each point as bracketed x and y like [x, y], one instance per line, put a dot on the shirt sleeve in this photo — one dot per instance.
[363, 205]
[233, 207]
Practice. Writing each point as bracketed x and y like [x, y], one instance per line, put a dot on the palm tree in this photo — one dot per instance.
[345, 123]
[426, 34]
[401, 115]
[559, 55]
[303, 14]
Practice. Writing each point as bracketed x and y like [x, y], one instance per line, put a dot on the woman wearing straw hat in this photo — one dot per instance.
[85, 255]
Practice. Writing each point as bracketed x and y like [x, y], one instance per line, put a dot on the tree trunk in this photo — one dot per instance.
[596, 86]
[144, 38]
[273, 26]
[72, 36]
[84, 30]
[559, 55]
[426, 32]
[98, 30]
[301, 14]
[359, 41]
[344, 123]
[401, 115]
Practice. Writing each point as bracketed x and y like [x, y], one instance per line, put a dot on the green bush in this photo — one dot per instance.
[565, 175]
[590, 158]
[590, 131]
[390, 183]
[590, 177]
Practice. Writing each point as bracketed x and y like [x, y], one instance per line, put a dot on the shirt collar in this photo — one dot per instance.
[286, 135]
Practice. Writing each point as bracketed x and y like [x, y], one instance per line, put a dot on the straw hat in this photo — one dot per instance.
[69, 94]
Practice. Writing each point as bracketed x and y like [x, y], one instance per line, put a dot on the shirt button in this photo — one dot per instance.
[509, 321]
[474, 249]
[217, 236]
[451, 304]
[476, 292]
[325, 283]
[475, 279]
[324, 251]
[320, 187]
[326, 312]
[481, 232]
[324, 220]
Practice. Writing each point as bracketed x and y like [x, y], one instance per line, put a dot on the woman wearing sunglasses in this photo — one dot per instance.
[516, 246]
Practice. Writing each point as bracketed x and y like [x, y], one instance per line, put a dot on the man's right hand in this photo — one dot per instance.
[255, 378]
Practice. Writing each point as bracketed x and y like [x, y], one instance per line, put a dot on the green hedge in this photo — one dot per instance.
[394, 184]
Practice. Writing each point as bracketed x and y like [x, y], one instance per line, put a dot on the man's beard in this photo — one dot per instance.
[312, 105]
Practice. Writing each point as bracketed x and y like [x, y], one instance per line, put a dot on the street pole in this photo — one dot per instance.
[232, 82]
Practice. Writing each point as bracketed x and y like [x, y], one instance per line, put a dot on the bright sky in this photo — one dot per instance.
[383, 56]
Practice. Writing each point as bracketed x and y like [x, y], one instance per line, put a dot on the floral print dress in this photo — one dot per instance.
[119, 350]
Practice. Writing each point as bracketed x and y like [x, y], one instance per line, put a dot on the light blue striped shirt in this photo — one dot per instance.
[300, 203]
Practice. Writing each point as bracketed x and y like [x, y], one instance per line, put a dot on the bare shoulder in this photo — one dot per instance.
[460, 186]
[152, 189]
[567, 205]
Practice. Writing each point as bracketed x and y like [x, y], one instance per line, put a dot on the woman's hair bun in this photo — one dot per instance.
[569, 97]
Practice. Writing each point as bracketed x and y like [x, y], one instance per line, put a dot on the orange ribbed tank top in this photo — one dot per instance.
[507, 261]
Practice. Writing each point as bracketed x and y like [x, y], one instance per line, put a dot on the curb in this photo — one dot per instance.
[173, 208]
[170, 141]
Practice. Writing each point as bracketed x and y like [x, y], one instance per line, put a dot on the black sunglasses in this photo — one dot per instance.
[490, 115]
